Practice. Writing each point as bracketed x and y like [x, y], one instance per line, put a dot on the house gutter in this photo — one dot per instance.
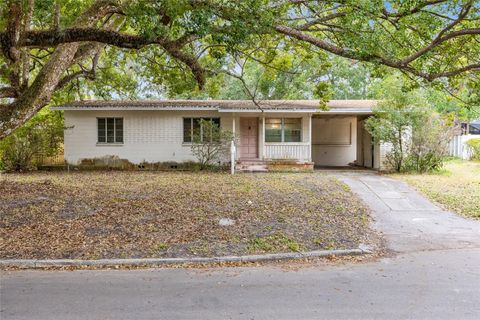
[220, 110]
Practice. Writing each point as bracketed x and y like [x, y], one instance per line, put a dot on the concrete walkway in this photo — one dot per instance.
[410, 222]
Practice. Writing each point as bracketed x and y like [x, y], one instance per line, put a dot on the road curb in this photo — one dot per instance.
[38, 264]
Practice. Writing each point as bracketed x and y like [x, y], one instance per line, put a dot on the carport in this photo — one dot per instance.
[339, 139]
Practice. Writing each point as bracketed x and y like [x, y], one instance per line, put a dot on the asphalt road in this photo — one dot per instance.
[435, 274]
[425, 285]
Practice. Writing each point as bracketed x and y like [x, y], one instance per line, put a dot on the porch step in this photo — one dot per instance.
[251, 166]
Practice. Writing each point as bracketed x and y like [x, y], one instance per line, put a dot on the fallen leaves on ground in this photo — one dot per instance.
[111, 214]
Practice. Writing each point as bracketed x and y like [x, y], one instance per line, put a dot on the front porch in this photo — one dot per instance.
[272, 141]
[299, 141]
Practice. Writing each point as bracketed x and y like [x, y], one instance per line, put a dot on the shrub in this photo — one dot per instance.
[429, 143]
[393, 122]
[406, 120]
[42, 135]
[211, 144]
[474, 145]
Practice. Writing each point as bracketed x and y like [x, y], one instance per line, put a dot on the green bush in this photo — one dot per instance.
[42, 135]
[211, 145]
[474, 145]
[429, 143]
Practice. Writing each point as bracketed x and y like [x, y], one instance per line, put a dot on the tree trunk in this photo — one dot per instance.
[35, 97]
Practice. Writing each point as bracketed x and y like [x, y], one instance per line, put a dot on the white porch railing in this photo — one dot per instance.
[288, 150]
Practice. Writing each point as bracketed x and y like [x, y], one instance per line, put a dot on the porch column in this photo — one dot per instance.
[263, 136]
[310, 138]
[234, 135]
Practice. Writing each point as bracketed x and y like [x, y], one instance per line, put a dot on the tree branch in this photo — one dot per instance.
[51, 38]
[451, 73]
[414, 10]
[320, 20]
[8, 92]
[367, 57]
[25, 54]
[43, 87]
[438, 41]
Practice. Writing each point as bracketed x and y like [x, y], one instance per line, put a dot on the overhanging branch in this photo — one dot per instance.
[402, 64]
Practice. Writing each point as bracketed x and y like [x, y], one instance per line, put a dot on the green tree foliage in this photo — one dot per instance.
[393, 120]
[406, 120]
[294, 76]
[474, 145]
[429, 142]
[54, 50]
[287, 76]
[350, 79]
[40, 137]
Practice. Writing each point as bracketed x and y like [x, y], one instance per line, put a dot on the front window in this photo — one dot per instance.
[283, 130]
[110, 130]
[474, 128]
[193, 126]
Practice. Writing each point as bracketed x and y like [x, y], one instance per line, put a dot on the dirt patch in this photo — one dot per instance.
[105, 214]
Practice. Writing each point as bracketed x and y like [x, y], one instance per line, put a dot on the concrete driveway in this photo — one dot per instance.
[408, 220]
[434, 275]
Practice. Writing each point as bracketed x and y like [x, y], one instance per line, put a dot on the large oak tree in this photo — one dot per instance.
[47, 45]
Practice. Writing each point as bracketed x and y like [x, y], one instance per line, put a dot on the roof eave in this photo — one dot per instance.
[107, 108]
[222, 110]
[241, 110]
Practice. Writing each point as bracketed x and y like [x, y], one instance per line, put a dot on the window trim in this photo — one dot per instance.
[191, 127]
[282, 130]
[476, 126]
[106, 143]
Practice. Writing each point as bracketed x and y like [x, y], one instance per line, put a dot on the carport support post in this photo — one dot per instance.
[232, 148]
[263, 136]
[310, 137]
[232, 157]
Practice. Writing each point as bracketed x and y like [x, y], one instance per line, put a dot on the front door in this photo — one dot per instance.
[248, 138]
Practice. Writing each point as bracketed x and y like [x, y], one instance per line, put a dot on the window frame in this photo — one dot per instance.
[115, 129]
[192, 121]
[476, 127]
[282, 130]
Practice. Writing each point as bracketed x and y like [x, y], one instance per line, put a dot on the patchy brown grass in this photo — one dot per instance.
[456, 188]
[92, 215]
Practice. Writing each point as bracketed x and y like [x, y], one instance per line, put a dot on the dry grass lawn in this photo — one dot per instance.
[456, 188]
[92, 215]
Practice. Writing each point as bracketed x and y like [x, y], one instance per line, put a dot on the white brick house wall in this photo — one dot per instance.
[151, 136]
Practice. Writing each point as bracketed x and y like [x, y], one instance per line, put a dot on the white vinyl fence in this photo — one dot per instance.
[459, 148]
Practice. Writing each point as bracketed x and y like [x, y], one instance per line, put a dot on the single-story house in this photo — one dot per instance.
[270, 131]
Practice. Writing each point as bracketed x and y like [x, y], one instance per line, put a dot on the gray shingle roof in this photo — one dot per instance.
[220, 105]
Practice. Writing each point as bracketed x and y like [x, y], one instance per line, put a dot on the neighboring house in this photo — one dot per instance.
[458, 145]
[292, 132]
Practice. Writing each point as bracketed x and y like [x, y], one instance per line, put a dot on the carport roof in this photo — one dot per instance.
[311, 106]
